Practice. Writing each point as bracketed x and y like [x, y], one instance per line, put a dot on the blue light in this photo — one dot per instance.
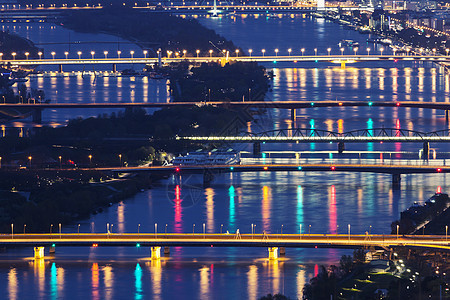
[299, 168]
[312, 103]
[274, 61]
[231, 168]
[138, 245]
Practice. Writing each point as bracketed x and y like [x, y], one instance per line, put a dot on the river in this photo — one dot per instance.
[321, 203]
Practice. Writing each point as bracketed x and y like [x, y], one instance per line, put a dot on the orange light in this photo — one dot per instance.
[439, 190]
[94, 245]
[295, 61]
[340, 103]
[265, 168]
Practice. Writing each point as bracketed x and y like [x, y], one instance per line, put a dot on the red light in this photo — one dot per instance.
[315, 247]
[395, 60]
[439, 169]
[381, 142]
[439, 190]
[398, 103]
[265, 168]
[333, 168]
[212, 246]
[177, 169]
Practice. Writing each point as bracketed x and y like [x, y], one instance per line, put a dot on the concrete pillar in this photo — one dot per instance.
[343, 65]
[114, 68]
[37, 115]
[38, 252]
[256, 149]
[282, 251]
[52, 249]
[166, 250]
[293, 114]
[156, 252]
[341, 147]
[446, 114]
[273, 253]
[426, 150]
[60, 68]
[396, 181]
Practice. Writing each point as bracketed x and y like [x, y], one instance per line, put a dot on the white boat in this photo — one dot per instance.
[201, 158]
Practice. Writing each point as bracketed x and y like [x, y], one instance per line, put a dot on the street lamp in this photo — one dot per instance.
[446, 50]
[356, 50]
[342, 51]
[381, 50]
[237, 52]
[79, 54]
[302, 50]
[198, 52]
[276, 52]
[66, 54]
[289, 51]
[184, 53]
[446, 231]
[60, 164]
[394, 50]
[368, 51]
[397, 231]
[26, 54]
[210, 53]
[348, 232]
[78, 229]
[29, 158]
[1, 56]
[90, 159]
[24, 227]
[139, 228]
[40, 54]
[131, 53]
[250, 52]
[145, 53]
[315, 51]
[434, 51]
[118, 53]
[329, 50]
[193, 229]
[53, 54]
[106, 54]
[263, 51]
[120, 159]
[14, 55]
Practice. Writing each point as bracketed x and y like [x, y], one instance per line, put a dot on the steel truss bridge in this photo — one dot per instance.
[309, 135]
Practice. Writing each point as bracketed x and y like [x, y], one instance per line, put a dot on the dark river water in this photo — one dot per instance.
[320, 202]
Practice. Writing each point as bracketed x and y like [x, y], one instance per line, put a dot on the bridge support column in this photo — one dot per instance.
[60, 69]
[37, 115]
[426, 150]
[166, 251]
[293, 114]
[273, 253]
[156, 252]
[446, 115]
[159, 58]
[341, 147]
[396, 181]
[114, 68]
[256, 149]
[343, 65]
[52, 249]
[208, 177]
[38, 252]
[282, 251]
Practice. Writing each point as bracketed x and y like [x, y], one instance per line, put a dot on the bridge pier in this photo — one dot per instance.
[208, 177]
[37, 115]
[343, 65]
[273, 253]
[156, 252]
[282, 251]
[293, 114]
[52, 249]
[60, 69]
[38, 252]
[166, 251]
[396, 181]
[159, 58]
[114, 68]
[256, 149]
[426, 150]
[446, 115]
[341, 147]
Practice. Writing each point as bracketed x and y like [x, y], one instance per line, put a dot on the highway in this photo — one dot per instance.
[226, 240]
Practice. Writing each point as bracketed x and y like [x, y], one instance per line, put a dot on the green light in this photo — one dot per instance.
[299, 168]
[312, 103]
[317, 60]
[138, 245]
[370, 103]
[274, 61]
[231, 168]
[53, 245]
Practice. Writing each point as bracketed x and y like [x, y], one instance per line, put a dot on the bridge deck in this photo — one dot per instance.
[227, 240]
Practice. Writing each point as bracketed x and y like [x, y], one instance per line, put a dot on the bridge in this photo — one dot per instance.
[37, 108]
[335, 58]
[271, 241]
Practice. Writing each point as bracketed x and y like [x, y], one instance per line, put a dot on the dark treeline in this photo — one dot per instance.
[10, 43]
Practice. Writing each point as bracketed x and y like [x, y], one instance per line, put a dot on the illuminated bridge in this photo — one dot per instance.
[271, 241]
[37, 108]
[332, 58]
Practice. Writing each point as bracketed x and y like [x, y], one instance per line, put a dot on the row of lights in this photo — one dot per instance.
[237, 51]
